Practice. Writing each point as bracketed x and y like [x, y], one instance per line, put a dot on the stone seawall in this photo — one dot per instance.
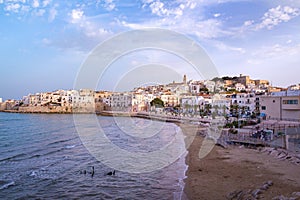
[92, 108]
[54, 109]
[44, 109]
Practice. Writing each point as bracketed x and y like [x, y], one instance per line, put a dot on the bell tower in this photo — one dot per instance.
[184, 79]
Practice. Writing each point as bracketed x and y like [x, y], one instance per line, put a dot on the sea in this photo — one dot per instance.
[43, 156]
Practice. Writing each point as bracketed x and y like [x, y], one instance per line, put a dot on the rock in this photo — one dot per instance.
[235, 194]
[268, 149]
[265, 187]
[281, 197]
[292, 198]
[270, 183]
[296, 194]
[288, 157]
[256, 192]
[293, 160]
[222, 144]
[273, 152]
[282, 155]
[248, 197]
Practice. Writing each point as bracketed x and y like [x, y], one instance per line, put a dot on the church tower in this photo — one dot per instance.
[184, 79]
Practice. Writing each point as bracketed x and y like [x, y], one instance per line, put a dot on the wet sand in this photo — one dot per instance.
[224, 173]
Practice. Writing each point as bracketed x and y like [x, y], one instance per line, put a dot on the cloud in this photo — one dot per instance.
[25, 9]
[225, 48]
[39, 12]
[46, 41]
[52, 14]
[248, 23]
[35, 3]
[12, 7]
[217, 15]
[82, 37]
[46, 3]
[81, 33]
[202, 29]
[76, 15]
[157, 8]
[160, 9]
[182, 16]
[108, 5]
[282, 53]
[277, 15]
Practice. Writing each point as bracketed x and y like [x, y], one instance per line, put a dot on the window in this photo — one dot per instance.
[294, 101]
[263, 107]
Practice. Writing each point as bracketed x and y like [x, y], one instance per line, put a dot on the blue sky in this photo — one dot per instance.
[44, 42]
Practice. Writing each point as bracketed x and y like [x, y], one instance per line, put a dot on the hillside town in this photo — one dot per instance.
[240, 97]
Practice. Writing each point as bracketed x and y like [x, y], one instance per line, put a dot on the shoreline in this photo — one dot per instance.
[145, 115]
[226, 172]
[237, 173]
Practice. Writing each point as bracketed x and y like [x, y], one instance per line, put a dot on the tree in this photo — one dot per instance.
[207, 110]
[224, 108]
[157, 102]
[217, 79]
[234, 110]
[204, 90]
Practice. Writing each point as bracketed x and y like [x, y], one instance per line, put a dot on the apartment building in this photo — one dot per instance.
[121, 101]
[103, 97]
[246, 101]
[170, 100]
[281, 107]
[191, 104]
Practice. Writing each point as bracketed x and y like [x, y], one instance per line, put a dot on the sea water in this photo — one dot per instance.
[43, 157]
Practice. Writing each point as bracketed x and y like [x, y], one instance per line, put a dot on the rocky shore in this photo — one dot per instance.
[239, 173]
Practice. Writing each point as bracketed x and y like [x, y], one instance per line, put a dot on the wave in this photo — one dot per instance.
[7, 185]
[61, 141]
[13, 157]
[70, 146]
[33, 174]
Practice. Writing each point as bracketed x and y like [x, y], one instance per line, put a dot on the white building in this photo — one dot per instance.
[1, 100]
[246, 101]
[240, 87]
[221, 106]
[191, 104]
[170, 100]
[294, 87]
[35, 99]
[210, 85]
[103, 97]
[195, 86]
[219, 86]
[121, 101]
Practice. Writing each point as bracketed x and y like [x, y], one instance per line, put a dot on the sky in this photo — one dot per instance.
[44, 43]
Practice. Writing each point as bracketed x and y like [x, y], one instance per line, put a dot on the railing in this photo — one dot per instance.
[284, 119]
[241, 138]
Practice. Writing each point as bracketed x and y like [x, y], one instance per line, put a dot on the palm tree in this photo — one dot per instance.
[207, 108]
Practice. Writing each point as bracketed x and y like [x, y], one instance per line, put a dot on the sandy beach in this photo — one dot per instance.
[238, 173]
